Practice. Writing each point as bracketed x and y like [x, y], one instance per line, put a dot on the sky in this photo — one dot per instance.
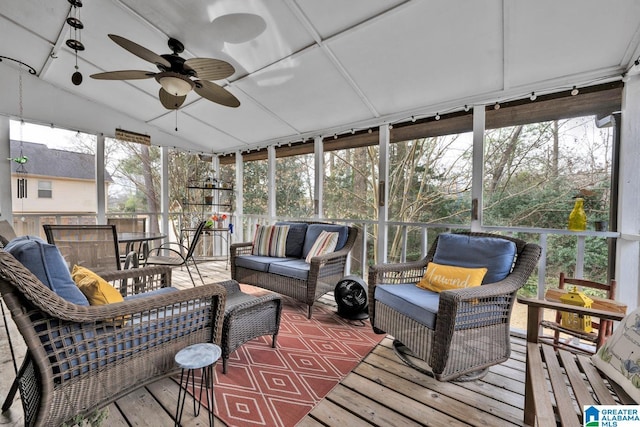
[52, 136]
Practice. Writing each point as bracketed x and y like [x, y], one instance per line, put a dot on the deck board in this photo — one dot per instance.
[380, 391]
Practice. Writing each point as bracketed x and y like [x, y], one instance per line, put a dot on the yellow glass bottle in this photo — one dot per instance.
[577, 217]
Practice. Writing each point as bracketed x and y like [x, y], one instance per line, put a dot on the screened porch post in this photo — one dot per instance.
[101, 197]
[239, 198]
[318, 184]
[164, 190]
[271, 183]
[628, 246]
[383, 194]
[477, 167]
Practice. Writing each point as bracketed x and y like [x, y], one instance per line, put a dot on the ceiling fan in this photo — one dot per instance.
[177, 76]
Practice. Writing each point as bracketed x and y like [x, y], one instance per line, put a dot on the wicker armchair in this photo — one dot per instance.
[80, 359]
[471, 325]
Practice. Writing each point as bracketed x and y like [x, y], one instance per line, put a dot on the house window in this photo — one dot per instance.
[44, 189]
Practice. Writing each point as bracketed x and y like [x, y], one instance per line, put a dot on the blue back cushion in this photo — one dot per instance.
[314, 230]
[461, 250]
[48, 265]
[295, 238]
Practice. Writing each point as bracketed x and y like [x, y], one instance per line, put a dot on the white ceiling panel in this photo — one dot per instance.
[547, 42]
[204, 137]
[261, 126]
[327, 21]
[50, 16]
[399, 62]
[23, 45]
[305, 81]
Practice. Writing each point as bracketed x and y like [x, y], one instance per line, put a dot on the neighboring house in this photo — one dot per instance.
[58, 181]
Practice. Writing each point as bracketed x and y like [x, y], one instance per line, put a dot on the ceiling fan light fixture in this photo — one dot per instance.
[174, 83]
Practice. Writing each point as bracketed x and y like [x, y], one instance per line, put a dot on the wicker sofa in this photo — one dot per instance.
[81, 358]
[458, 333]
[291, 275]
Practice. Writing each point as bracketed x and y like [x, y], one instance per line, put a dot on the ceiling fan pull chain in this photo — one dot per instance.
[176, 120]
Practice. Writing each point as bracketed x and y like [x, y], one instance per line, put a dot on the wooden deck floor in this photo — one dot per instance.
[380, 391]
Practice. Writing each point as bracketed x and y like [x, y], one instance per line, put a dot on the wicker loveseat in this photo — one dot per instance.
[458, 333]
[82, 358]
[292, 275]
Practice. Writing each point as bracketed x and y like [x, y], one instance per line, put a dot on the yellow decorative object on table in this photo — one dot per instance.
[573, 320]
[577, 217]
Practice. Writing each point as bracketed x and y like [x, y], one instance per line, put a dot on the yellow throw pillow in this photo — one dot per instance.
[440, 277]
[97, 290]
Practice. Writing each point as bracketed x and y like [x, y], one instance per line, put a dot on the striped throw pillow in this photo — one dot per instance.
[324, 244]
[270, 240]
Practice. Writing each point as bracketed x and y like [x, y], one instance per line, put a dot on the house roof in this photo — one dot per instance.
[306, 68]
[55, 163]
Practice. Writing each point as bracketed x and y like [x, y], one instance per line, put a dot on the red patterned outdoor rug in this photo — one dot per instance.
[278, 387]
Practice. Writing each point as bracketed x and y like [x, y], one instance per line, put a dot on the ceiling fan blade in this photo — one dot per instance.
[171, 102]
[209, 68]
[215, 93]
[140, 51]
[123, 75]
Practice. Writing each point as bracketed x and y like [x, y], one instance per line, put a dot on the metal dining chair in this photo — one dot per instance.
[91, 246]
[176, 254]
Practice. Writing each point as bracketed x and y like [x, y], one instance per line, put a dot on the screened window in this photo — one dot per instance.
[429, 182]
[350, 183]
[255, 187]
[294, 186]
[532, 175]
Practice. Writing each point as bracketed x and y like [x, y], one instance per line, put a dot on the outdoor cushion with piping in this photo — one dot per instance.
[48, 265]
[618, 357]
[295, 238]
[295, 268]
[257, 262]
[314, 230]
[324, 244]
[270, 240]
[419, 304]
[495, 254]
[422, 305]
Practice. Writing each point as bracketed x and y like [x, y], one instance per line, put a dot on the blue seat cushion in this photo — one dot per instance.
[419, 304]
[143, 333]
[295, 238]
[257, 262]
[422, 305]
[461, 250]
[296, 268]
[160, 291]
[48, 265]
[314, 230]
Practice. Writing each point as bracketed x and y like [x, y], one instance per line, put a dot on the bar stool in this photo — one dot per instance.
[197, 356]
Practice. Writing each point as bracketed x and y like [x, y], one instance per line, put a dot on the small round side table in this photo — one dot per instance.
[197, 356]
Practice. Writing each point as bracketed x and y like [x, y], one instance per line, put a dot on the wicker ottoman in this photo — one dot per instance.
[247, 317]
